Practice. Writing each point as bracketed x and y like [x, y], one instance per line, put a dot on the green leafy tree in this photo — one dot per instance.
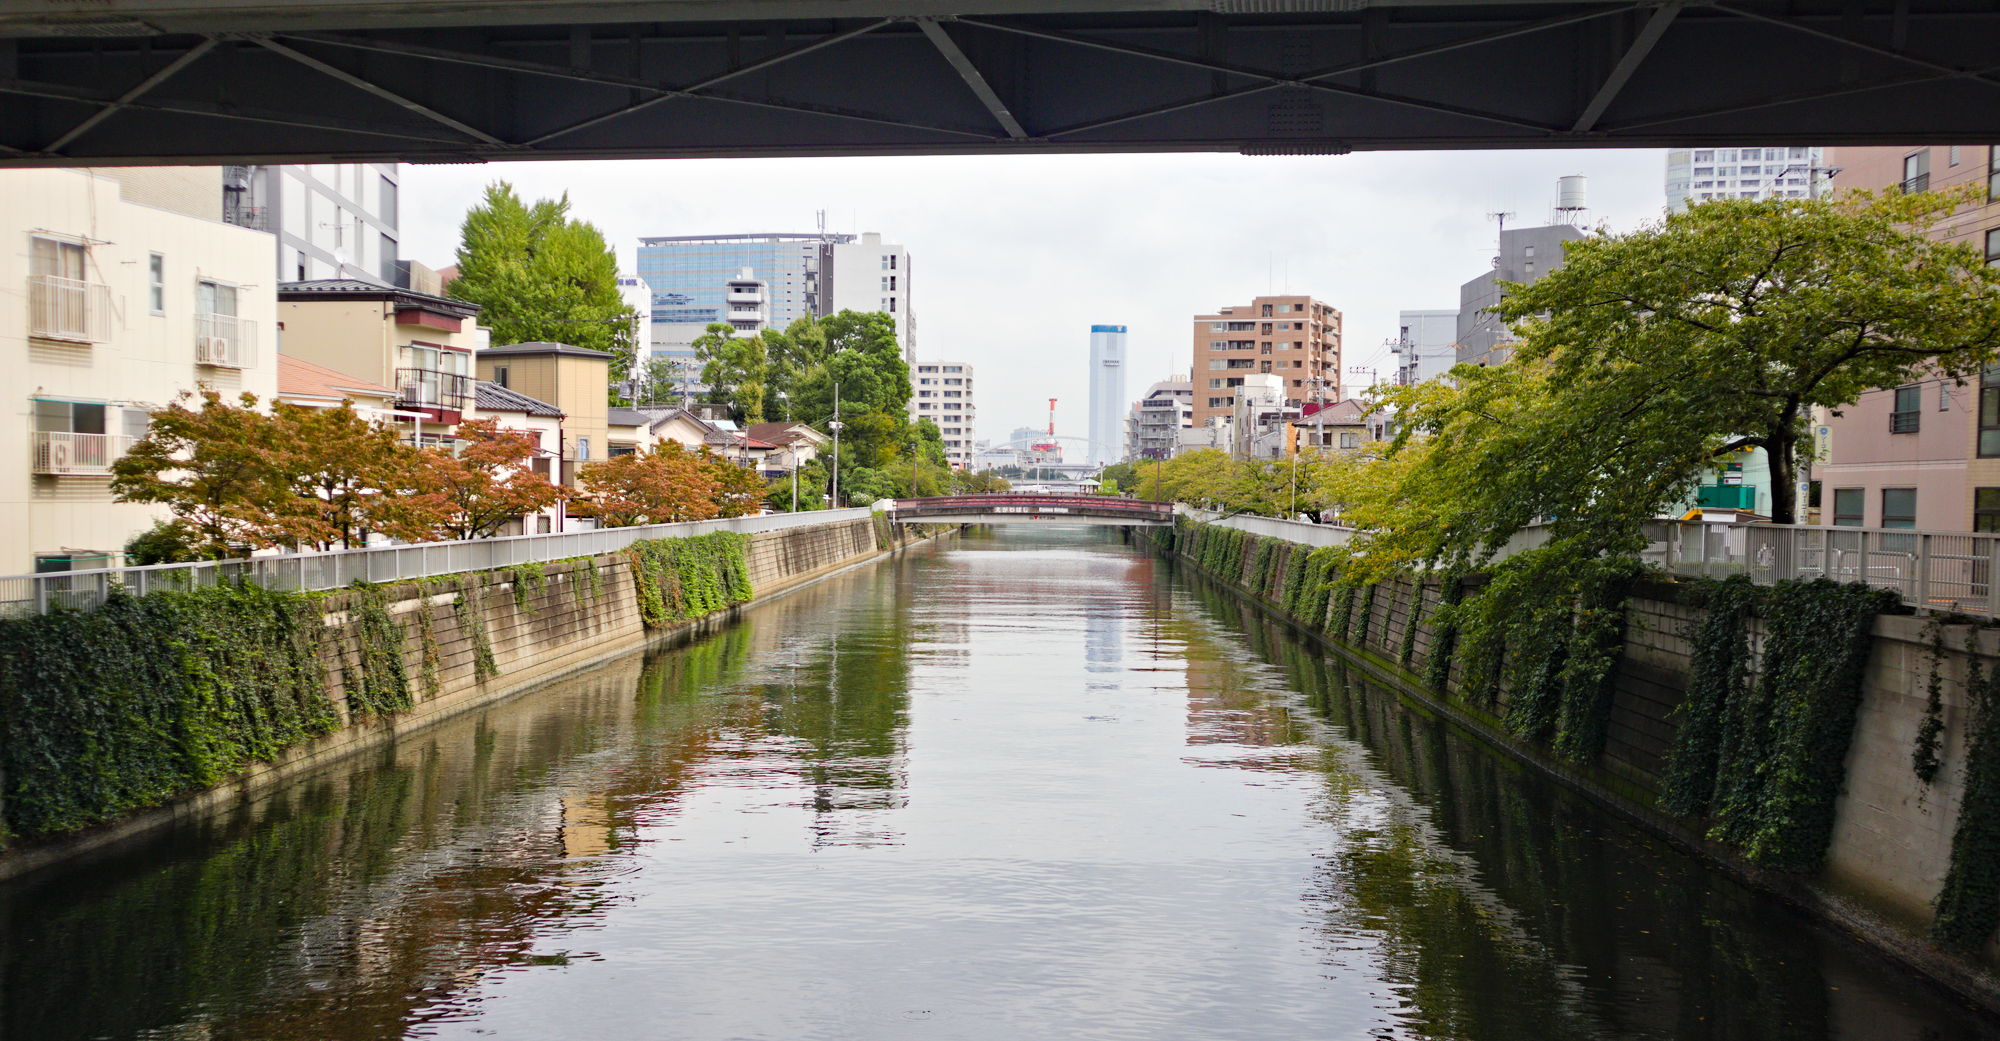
[1646, 356]
[538, 274]
[736, 370]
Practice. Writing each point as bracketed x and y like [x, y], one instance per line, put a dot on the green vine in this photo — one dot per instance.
[432, 667]
[131, 703]
[379, 685]
[686, 578]
[1718, 680]
[1444, 634]
[472, 622]
[1968, 905]
[1924, 760]
[528, 581]
[1407, 653]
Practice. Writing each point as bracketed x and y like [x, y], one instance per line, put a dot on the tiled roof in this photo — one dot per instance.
[545, 347]
[780, 433]
[337, 287]
[626, 417]
[302, 378]
[492, 397]
[1338, 413]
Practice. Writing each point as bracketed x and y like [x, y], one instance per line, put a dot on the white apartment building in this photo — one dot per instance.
[1700, 174]
[1107, 394]
[1154, 425]
[942, 393]
[1425, 346]
[117, 306]
[331, 220]
[748, 299]
[871, 275]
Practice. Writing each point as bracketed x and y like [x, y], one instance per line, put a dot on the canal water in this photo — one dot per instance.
[1026, 785]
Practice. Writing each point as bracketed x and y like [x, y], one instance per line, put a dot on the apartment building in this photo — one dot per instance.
[422, 345]
[1154, 424]
[329, 220]
[1925, 454]
[1426, 345]
[1295, 338]
[1700, 174]
[867, 274]
[1525, 254]
[121, 306]
[942, 393]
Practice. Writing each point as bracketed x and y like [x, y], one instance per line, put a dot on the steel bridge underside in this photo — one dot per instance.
[205, 81]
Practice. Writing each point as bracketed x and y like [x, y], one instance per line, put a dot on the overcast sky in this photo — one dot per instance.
[1015, 257]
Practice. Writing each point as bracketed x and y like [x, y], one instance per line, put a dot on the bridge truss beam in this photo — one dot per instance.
[140, 81]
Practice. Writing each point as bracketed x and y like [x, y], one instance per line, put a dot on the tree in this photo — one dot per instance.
[1648, 355]
[489, 482]
[538, 274]
[348, 478]
[735, 369]
[211, 467]
[862, 356]
[665, 485]
[739, 490]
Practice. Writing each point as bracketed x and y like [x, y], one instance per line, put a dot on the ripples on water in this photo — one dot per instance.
[1029, 785]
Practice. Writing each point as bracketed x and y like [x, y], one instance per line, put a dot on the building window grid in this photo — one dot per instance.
[1899, 507]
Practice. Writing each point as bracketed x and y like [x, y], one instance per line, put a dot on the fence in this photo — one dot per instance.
[1930, 570]
[34, 594]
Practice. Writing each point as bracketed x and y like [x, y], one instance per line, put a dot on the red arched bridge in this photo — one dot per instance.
[1013, 508]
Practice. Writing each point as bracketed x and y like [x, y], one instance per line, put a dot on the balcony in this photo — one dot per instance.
[745, 296]
[64, 453]
[1916, 183]
[225, 341]
[429, 388]
[68, 309]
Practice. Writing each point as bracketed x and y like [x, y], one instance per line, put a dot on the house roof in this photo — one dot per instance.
[1351, 412]
[357, 289]
[784, 433]
[492, 397]
[300, 378]
[626, 417]
[545, 347]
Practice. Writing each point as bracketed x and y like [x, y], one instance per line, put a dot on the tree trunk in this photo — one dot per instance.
[1782, 455]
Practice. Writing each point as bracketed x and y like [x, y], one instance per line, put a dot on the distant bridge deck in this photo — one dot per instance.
[1008, 508]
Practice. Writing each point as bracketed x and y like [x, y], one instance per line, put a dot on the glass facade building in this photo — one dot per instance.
[689, 274]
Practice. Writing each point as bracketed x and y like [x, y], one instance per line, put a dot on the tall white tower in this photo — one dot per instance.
[1107, 393]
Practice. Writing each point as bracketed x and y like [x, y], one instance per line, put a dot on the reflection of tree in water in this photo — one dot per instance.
[1508, 908]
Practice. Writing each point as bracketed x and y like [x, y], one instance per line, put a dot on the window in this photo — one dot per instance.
[1847, 505]
[1267, 310]
[1944, 396]
[583, 450]
[301, 276]
[388, 211]
[1993, 247]
[156, 283]
[1218, 402]
[1215, 384]
[215, 298]
[1951, 156]
[1917, 171]
[500, 374]
[1907, 412]
[1986, 509]
[389, 271]
[1993, 173]
[1899, 507]
[1349, 439]
[1989, 413]
[69, 417]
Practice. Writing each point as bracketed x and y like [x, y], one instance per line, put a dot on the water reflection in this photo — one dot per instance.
[1025, 785]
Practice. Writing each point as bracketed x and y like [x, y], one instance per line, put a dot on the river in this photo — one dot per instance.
[1031, 784]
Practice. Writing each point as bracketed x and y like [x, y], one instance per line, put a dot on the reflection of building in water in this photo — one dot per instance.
[1103, 637]
[586, 826]
[1228, 705]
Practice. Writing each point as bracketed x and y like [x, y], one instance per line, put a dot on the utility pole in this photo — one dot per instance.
[835, 425]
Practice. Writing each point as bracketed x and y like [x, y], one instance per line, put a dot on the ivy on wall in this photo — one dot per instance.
[1924, 761]
[376, 683]
[1444, 633]
[123, 706]
[1968, 905]
[470, 611]
[681, 579]
[1718, 675]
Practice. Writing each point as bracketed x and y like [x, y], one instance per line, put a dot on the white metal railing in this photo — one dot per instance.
[1930, 570]
[34, 594]
[68, 309]
[225, 341]
[60, 452]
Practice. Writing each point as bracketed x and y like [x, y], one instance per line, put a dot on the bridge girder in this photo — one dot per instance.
[149, 81]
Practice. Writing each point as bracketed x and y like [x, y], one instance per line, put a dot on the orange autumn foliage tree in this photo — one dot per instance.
[489, 482]
[665, 485]
[739, 490]
[348, 477]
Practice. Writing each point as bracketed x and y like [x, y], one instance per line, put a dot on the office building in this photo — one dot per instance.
[1425, 346]
[867, 274]
[1153, 426]
[689, 277]
[331, 220]
[943, 395]
[1295, 338]
[1701, 174]
[1526, 254]
[131, 290]
[1107, 394]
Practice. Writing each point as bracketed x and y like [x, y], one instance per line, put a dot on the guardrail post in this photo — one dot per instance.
[1861, 555]
[1993, 577]
[1923, 570]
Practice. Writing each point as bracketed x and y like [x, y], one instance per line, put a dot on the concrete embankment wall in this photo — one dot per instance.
[1892, 835]
[530, 625]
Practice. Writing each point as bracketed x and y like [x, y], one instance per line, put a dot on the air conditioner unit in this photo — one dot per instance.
[59, 454]
[212, 350]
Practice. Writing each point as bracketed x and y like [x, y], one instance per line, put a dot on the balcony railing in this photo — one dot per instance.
[1919, 183]
[429, 388]
[225, 341]
[68, 309]
[60, 452]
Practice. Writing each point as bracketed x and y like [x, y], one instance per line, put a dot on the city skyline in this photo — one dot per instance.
[1014, 247]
